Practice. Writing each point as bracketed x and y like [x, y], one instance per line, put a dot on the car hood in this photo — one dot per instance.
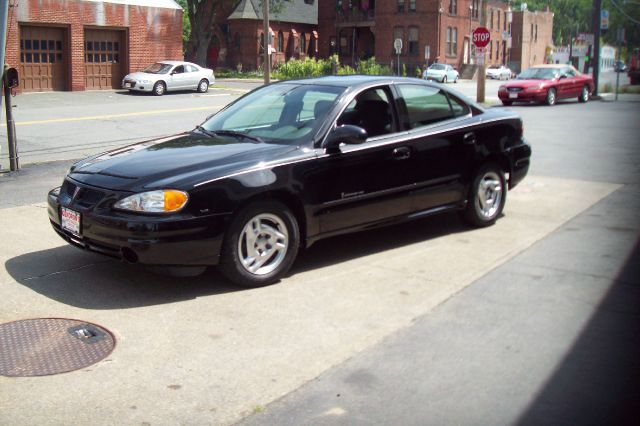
[179, 162]
[143, 76]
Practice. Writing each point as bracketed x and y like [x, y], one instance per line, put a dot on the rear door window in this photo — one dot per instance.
[426, 105]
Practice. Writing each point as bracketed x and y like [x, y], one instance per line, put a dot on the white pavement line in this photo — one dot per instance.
[190, 351]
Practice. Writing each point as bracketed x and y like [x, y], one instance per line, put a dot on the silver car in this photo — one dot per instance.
[441, 73]
[498, 72]
[164, 76]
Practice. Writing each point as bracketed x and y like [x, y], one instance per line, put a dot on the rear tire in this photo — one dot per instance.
[261, 244]
[487, 196]
[551, 97]
[584, 95]
[159, 88]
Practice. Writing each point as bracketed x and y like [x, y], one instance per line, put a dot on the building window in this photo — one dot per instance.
[398, 32]
[505, 22]
[412, 5]
[451, 47]
[413, 40]
[536, 36]
[498, 50]
[280, 41]
[453, 7]
[303, 43]
[237, 40]
[475, 8]
[344, 45]
[491, 20]
[400, 6]
[491, 50]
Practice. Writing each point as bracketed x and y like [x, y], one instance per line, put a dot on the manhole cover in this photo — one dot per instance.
[44, 346]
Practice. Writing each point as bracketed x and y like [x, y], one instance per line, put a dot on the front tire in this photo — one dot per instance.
[444, 80]
[584, 95]
[507, 103]
[551, 97]
[487, 196]
[261, 244]
[159, 88]
[203, 86]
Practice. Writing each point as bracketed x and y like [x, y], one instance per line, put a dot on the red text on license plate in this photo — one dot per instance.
[70, 220]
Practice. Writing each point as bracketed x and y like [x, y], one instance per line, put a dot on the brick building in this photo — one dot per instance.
[294, 31]
[531, 38]
[89, 44]
[431, 30]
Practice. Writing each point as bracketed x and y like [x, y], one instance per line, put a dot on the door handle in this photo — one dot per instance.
[469, 138]
[401, 153]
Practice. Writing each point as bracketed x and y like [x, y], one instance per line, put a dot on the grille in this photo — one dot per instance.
[514, 89]
[82, 195]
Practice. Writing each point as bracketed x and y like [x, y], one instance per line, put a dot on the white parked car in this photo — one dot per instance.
[441, 73]
[164, 76]
[498, 72]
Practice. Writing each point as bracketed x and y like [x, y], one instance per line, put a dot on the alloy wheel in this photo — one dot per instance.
[263, 244]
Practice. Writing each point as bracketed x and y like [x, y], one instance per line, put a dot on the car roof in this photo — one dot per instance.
[175, 62]
[550, 66]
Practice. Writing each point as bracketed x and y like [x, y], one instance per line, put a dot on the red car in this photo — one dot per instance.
[547, 84]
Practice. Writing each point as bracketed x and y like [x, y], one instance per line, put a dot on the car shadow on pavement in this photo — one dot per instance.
[350, 246]
[90, 281]
[86, 280]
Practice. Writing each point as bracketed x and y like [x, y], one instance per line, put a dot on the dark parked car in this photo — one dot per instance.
[547, 84]
[288, 164]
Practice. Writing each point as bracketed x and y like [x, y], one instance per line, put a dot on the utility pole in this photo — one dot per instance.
[480, 93]
[595, 55]
[4, 14]
[267, 42]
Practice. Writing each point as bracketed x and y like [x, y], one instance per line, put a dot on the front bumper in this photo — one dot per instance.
[137, 85]
[179, 239]
[524, 96]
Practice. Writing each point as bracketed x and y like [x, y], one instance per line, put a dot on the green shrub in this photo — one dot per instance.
[346, 70]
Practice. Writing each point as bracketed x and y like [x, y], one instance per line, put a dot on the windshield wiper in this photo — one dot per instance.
[237, 134]
[205, 131]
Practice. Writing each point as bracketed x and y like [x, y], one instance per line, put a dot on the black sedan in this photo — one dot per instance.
[288, 164]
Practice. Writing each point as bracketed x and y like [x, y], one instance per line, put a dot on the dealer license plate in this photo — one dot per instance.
[513, 95]
[70, 220]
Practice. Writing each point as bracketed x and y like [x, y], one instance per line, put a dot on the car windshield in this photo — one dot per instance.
[158, 68]
[284, 113]
[437, 67]
[539, 74]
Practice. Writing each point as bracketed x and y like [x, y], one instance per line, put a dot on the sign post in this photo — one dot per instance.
[480, 38]
[397, 44]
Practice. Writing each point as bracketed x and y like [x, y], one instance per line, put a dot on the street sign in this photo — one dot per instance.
[397, 44]
[604, 19]
[480, 53]
[481, 37]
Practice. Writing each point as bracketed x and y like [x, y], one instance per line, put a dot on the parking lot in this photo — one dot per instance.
[481, 324]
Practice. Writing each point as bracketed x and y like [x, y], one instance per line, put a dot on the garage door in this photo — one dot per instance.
[42, 59]
[103, 58]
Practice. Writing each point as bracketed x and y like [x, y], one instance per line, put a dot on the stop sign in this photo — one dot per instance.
[481, 37]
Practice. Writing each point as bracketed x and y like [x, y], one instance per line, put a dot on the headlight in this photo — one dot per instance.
[533, 88]
[502, 88]
[161, 201]
[55, 191]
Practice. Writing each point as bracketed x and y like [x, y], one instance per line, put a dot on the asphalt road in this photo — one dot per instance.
[532, 321]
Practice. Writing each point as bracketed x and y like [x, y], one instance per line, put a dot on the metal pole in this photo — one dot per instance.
[482, 70]
[267, 42]
[597, 9]
[617, 70]
[4, 16]
[14, 159]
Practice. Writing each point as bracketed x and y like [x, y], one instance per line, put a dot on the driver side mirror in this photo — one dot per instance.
[347, 134]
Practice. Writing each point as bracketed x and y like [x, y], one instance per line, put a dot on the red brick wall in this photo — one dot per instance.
[249, 31]
[151, 33]
[426, 18]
